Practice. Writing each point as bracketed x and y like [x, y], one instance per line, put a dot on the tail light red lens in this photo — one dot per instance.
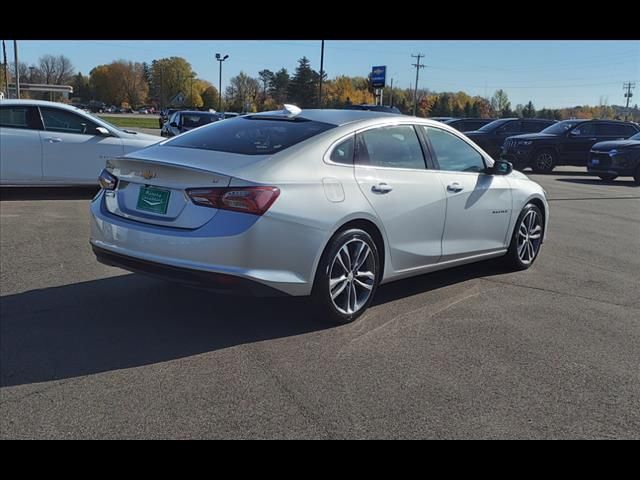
[254, 200]
[107, 181]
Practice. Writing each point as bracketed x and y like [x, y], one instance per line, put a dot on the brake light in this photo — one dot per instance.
[254, 200]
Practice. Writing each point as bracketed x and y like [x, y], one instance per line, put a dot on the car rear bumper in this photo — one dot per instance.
[276, 253]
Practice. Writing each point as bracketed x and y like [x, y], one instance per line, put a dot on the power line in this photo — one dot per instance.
[415, 92]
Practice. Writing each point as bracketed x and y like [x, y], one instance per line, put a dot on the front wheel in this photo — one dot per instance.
[526, 239]
[544, 161]
[347, 276]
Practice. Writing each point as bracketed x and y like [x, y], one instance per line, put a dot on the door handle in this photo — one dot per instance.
[53, 139]
[381, 188]
[455, 187]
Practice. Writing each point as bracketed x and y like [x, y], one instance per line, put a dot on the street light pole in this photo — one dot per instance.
[220, 59]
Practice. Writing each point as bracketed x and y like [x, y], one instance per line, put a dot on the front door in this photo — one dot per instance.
[478, 205]
[72, 150]
[20, 150]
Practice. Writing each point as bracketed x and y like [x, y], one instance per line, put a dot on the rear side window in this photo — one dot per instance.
[452, 153]
[615, 130]
[58, 120]
[19, 117]
[343, 152]
[250, 136]
[533, 127]
[510, 127]
[393, 147]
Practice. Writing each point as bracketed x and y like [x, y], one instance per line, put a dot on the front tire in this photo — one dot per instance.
[608, 178]
[347, 276]
[544, 161]
[526, 239]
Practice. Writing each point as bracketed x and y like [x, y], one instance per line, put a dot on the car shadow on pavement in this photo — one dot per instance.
[47, 193]
[598, 181]
[131, 320]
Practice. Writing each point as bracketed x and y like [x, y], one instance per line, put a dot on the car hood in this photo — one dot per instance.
[617, 144]
[533, 136]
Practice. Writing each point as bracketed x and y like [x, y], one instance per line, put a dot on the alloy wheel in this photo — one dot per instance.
[544, 161]
[529, 237]
[352, 276]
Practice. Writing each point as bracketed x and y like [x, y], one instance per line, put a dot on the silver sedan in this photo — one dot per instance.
[326, 203]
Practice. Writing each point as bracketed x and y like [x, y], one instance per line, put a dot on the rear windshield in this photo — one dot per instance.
[250, 136]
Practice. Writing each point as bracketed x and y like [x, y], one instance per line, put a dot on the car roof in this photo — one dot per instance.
[41, 103]
[199, 112]
[334, 116]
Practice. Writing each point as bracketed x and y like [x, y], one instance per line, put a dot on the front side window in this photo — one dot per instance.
[58, 120]
[532, 127]
[394, 147]
[343, 152]
[509, 128]
[18, 117]
[584, 130]
[452, 153]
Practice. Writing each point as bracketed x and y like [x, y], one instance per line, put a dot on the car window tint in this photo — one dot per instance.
[453, 153]
[532, 127]
[395, 147]
[343, 152]
[17, 117]
[510, 127]
[58, 120]
[250, 136]
[629, 131]
[584, 130]
[614, 130]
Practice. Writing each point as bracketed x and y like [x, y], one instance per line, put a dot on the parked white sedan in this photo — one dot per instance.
[49, 143]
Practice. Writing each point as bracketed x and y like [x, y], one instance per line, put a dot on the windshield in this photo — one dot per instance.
[635, 137]
[492, 126]
[560, 127]
[250, 136]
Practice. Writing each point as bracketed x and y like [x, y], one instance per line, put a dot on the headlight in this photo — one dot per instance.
[613, 152]
[525, 142]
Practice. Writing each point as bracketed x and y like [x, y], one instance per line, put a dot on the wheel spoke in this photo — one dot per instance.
[521, 249]
[522, 230]
[353, 296]
[362, 255]
[334, 281]
[348, 264]
[530, 250]
[368, 275]
[339, 290]
[362, 284]
[341, 261]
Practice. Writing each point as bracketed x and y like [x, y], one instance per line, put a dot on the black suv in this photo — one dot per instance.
[491, 137]
[468, 124]
[565, 143]
[609, 160]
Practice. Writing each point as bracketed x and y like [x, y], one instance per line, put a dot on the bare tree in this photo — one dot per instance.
[56, 70]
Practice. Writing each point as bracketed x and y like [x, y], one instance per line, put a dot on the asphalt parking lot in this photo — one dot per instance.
[90, 351]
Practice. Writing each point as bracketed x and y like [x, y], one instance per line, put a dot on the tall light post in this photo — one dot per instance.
[220, 59]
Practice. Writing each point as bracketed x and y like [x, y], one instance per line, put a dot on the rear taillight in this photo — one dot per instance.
[254, 200]
[107, 181]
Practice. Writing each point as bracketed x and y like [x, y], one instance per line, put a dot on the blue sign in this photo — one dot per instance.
[378, 76]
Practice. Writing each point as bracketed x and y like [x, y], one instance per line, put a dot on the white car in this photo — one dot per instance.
[49, 143]
[328, 203]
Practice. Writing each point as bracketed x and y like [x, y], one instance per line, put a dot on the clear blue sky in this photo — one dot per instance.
[550, 73]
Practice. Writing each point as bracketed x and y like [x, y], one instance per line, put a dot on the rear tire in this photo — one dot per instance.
[526, 239]
[347, 277]
[544, 161]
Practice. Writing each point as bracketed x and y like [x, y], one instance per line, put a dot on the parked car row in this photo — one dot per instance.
[184, 120]
[570, 142]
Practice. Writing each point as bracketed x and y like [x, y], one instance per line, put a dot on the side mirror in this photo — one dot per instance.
[500, 167]
[103, 131]
[574, 133]
[173, 124]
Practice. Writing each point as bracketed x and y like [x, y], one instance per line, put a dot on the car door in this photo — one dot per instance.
[580, 139]
[73, 151]
[20, 147]
[392, 174]
[478, 205]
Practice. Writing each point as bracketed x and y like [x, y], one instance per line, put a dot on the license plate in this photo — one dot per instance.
[595, 161]
[153, 200]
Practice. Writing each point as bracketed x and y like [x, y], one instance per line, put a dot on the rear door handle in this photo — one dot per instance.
[53, 139]
[455, 187]
[381, 188]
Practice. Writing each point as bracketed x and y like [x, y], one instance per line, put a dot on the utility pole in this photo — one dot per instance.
[391, 94]
[628, 86]
[220, 59]
[6, 75]
[15, 59]
[415, 92]
[321, 74]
